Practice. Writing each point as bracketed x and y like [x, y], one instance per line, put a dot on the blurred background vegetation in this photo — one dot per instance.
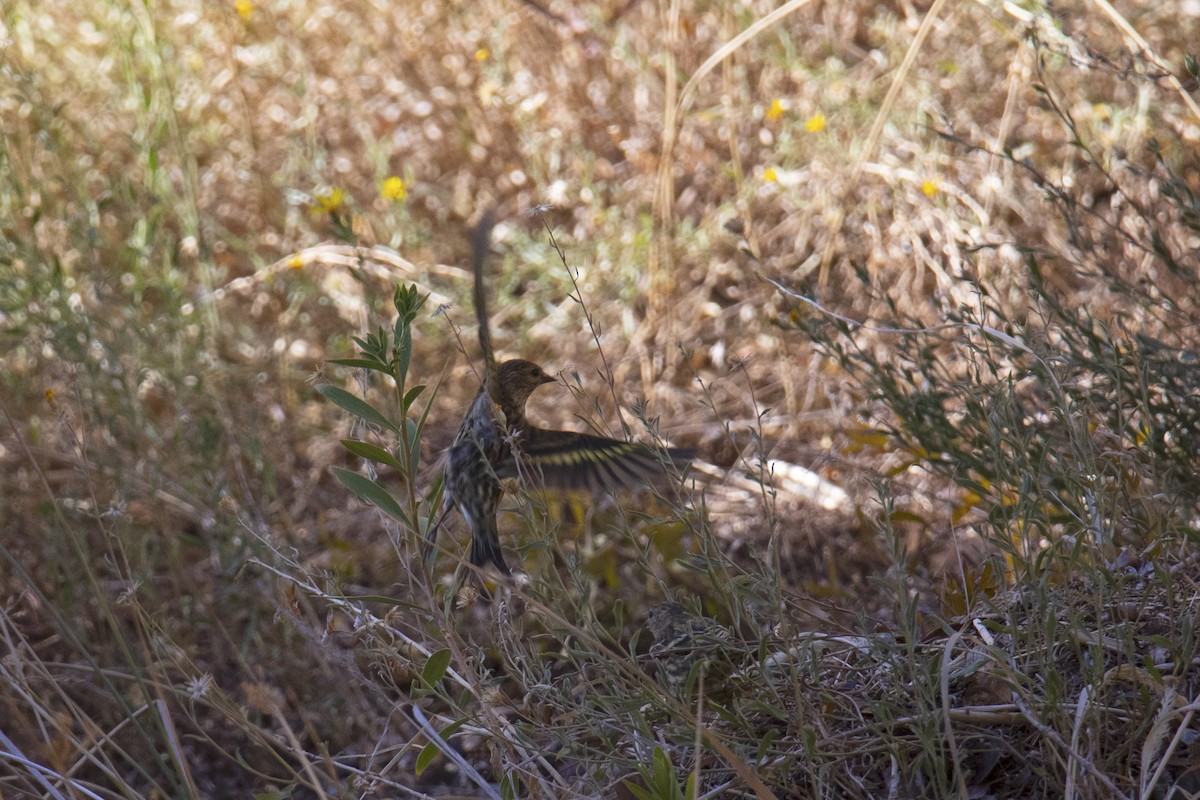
[918, 280]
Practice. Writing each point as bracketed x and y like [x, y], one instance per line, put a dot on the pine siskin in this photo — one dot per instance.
[481, 450]
[495, 441]
[682, 641]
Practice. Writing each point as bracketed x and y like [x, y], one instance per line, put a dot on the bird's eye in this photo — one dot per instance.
[533, 371]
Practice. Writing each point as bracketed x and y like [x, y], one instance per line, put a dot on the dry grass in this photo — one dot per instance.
[201, 204]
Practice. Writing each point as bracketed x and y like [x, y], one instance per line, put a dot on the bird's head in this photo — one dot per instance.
[517, 379]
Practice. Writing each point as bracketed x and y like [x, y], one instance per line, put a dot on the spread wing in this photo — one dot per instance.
[568, 460]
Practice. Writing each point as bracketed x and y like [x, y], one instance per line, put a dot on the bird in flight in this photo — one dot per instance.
[496, 441]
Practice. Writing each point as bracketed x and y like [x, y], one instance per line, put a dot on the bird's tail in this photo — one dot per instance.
[481, 239]
[485, 547]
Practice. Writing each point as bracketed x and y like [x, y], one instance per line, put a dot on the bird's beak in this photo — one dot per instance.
[546, 379]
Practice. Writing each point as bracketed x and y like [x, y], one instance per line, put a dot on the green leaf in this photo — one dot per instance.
[640, 792]
[765, 743]
[452, 728]
[436, 666]
[907, 516]
[902, 467]
[404, 351]
[356, 406]
[414, 446]
[428, 753]
[412, 395]
[433, 502]
[371, 492]
[372, 453]
[408, 301]
[662, 771]
[361, 363]
[428, 405]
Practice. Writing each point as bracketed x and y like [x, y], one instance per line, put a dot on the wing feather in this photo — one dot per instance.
[569, 460]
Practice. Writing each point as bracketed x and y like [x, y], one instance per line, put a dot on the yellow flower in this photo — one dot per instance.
[770, 175]
[776, 109]
[394, 189]
[244, 8]
[330, 203]
[482, 54]
[929, 188]
[296, 262]
[51, 394]
[815, 123]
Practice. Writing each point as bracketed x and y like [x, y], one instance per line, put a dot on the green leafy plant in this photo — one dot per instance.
[389, 353]
[660, 782]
